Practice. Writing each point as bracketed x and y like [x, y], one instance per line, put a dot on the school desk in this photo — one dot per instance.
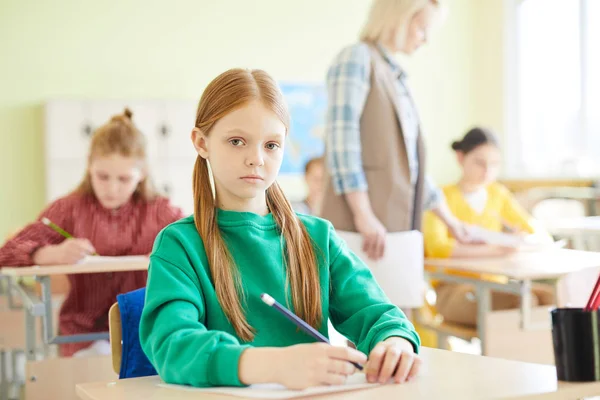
[519, 271]
[445, 375]
[12, 335]
[34, 306]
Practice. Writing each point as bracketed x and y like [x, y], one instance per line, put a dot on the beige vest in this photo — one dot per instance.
[395, 202]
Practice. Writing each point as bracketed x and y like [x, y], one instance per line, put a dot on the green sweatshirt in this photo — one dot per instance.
[184, 331]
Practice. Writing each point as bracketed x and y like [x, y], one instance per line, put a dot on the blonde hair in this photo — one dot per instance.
[119, 136]
[387, 15]
[226, 93]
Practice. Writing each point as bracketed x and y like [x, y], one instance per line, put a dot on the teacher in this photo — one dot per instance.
[374, 145]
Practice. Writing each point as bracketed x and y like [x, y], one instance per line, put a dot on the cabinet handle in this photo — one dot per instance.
[167, 189]
[87, 129]
[164, 130]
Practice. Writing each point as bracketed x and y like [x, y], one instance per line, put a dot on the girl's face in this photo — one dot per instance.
[115, 178]
[481, 165]
[245, 151]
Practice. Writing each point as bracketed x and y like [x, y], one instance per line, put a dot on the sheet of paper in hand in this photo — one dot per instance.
[400, 271]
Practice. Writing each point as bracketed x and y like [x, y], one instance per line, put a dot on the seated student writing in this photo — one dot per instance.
[477, 199]
[115, 211]
[204, 323]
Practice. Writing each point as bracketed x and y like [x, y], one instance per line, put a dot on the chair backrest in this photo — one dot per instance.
[116, 336]
[129, 360]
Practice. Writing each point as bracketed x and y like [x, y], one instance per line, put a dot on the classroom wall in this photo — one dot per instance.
[489, 35]
[142, 49]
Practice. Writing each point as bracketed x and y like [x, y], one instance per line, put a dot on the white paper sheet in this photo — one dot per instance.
[400, 271]
[119, 259]
[522, 243]
[274, 391]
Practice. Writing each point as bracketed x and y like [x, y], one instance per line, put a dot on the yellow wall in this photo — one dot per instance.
[137, 49]
[489, 50]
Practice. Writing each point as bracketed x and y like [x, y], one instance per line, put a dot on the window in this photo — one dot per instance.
[554, 97]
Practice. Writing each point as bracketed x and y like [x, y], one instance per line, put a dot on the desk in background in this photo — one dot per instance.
[51, 378]
[519, 271]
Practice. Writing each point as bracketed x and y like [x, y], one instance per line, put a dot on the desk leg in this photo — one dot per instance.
[47, 322]
[29, 336]
[3, 377]
[15, 373]
[525, 303]
[483, 307]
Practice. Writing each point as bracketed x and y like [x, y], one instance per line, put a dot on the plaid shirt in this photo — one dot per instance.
[348, 85]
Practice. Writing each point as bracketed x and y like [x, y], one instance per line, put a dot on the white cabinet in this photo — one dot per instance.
[179, 120]
[68, 130]
[174, 180]
[166, 124]
[62, 176]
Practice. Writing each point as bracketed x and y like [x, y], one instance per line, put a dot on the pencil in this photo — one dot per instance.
[268, 300]
[58, 229]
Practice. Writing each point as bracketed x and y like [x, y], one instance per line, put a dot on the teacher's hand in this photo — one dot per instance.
[373, 233]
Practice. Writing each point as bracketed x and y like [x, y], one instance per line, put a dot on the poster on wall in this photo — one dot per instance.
[307, 104]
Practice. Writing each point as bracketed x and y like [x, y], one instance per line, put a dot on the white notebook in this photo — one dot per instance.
[400, 271]
[275, 391]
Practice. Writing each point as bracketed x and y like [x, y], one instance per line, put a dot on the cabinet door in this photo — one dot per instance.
[159, 174]
[147, 117]
[62, 176]
[183, 192]
[66, 129]
[179, 120]
[99, 112]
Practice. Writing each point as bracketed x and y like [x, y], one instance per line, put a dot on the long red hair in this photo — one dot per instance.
[227, 92]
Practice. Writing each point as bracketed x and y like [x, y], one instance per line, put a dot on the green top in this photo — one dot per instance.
[184, 331]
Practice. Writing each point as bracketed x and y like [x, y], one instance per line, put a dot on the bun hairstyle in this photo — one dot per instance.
[127, 113]
[474, 138]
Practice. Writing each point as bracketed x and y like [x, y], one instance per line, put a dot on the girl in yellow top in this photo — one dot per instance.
[477, 200]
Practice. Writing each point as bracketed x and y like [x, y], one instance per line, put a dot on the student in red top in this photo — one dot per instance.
[115, 211]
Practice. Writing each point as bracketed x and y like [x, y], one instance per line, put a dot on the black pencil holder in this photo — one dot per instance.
[576, 342]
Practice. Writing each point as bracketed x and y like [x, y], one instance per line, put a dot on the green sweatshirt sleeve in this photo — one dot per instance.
[358, 307]
[180, 347]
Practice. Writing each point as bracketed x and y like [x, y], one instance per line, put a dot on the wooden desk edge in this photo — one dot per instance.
[87, 268]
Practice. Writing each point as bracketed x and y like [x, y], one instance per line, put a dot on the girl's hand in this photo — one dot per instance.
[70, 251]
[392, 358]
[305, 365]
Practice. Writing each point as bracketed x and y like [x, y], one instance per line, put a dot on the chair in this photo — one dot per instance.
[128, 358]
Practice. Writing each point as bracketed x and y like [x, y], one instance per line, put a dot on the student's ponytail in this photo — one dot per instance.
[300, 252]
[225, 276]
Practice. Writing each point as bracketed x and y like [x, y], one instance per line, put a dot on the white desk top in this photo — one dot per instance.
[569, 226]
[445, 375]
[93, 265]
[524, 265]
